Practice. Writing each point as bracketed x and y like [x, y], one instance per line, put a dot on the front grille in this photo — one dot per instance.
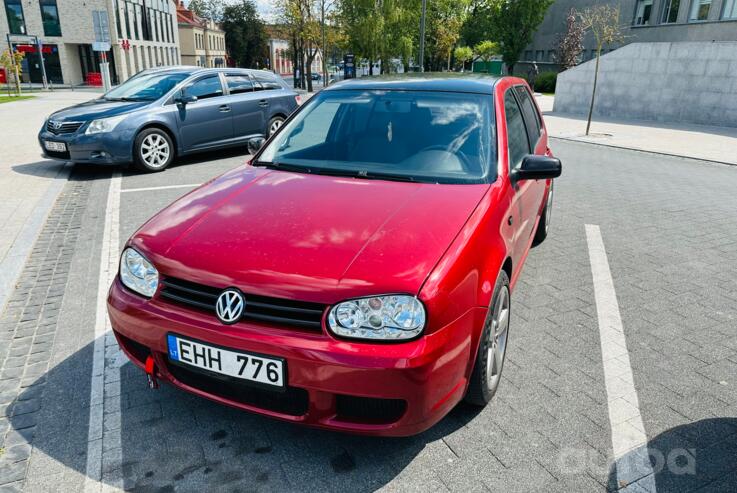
[292, 401]
[66, 127]
[276, 311]
[371, 410]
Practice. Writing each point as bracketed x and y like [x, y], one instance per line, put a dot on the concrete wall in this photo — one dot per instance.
[691, 82]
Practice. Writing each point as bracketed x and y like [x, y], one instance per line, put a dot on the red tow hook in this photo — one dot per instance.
[151, 373]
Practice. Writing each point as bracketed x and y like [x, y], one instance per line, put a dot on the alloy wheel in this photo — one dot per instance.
[275, 124]
[497, 339]
[155, 151]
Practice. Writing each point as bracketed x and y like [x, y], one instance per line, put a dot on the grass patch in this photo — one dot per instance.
[8, 99]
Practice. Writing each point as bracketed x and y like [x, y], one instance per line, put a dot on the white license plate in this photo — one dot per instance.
[247, 366]
[55, 146]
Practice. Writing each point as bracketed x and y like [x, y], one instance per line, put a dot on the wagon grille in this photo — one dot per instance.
[64, 128]
[276, 311]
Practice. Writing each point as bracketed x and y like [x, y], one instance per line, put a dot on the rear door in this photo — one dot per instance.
[274, 98]
[248, 114]
[208, 121]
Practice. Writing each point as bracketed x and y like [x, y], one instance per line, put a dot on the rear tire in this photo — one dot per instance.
[544, 224]
[274, 125]
[487, 370]
[153, 150]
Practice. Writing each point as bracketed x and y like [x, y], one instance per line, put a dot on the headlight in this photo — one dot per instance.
[137, 273]
[392, 317]
[104, 125]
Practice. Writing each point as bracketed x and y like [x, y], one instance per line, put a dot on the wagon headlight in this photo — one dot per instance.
[137, 273]
[392, 317]
[104, 125]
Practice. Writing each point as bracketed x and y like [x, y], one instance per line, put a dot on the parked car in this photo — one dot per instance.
[166, 112]
[316, 76]
[355, 275]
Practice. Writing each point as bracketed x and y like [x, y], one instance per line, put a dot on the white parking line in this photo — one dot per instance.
[628, 433]
[104, 454]
[164, 187]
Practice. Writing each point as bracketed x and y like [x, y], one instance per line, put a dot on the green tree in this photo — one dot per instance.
[245, 37]
[486, 50]
[11, 61]
[209, 9]
[445, 19]
[463, 54]
[513, 23]
[603, 22]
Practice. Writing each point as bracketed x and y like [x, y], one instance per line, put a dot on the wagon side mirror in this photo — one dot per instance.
[255, 144]
[185, 99]
[536, 167]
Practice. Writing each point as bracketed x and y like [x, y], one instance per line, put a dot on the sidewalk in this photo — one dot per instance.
[702, 142]
[29, 184]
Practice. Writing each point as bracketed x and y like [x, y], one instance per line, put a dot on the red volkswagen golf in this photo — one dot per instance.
[356, 274]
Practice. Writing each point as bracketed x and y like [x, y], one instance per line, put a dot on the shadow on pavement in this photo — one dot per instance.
[172, 440]
[697, 455]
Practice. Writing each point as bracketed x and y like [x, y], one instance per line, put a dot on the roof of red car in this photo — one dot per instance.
[428, 81]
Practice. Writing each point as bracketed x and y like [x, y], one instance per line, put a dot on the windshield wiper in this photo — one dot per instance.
[372, 175]
[364, 174]
[282, 166]
[128, 100]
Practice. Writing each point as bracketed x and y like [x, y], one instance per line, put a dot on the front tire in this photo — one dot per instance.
[544, 224]
[487, 370]
[153, 150]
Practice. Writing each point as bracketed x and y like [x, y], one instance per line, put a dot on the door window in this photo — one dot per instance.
[209, 87]
[517, 140]
[238, 84]
[265, 83]
[531, 116]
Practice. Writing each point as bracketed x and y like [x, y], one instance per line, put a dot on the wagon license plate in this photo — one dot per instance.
[55, 146]
[237, 364]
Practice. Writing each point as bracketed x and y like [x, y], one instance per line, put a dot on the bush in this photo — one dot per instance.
[545, 82]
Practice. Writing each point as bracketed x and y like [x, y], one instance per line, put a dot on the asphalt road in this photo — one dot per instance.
[669, 233]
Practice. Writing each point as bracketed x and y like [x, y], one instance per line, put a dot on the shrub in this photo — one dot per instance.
[545, 82]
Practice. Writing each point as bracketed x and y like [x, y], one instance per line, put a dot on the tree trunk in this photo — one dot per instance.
[593, 92]
[371, 66]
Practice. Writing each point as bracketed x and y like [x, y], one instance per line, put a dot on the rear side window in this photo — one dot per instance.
[517, 139]
[266, 83]
[208, 87]
[532, 118]
[238, 84]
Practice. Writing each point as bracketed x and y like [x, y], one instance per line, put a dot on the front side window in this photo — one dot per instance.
[670, 11]
[730, 9]
[209, 87]
[643, 9]
[50, 18]
[16, 21]
[432, 137]
[146, 87]
[699, 10]
[531, 116]
[518, 143]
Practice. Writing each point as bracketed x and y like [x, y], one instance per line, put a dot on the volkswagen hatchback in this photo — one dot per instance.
[356, 274]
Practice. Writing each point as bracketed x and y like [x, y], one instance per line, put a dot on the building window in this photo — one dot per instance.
[643, 9]
[670, 11]
[539, 55]
[16, 21]
[699, 10]
[136, 16]
[730, 9]
[50, 18]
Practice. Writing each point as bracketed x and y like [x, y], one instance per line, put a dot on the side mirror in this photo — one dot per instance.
[185, 99]
[255, 144]
[536, 167]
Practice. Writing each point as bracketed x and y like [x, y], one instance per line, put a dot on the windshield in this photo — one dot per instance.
[146, 87]
[403, 135]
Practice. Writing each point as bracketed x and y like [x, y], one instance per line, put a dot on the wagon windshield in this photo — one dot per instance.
[146, 87]
[437, 137]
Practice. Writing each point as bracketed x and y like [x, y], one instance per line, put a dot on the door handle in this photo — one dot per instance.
[224, 108]
[263, 103]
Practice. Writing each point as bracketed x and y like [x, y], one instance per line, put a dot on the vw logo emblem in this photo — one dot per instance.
[56, 125]
[229, 306]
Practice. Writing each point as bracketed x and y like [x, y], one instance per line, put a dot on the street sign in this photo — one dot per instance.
[101, 26]
[100, 46]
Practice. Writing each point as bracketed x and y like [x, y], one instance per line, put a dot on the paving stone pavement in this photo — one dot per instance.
[670, 231]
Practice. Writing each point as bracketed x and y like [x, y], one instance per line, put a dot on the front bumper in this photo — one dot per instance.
[103, 148]
[374, 389]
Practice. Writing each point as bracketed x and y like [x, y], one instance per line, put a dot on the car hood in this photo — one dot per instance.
[97, 108]
[307, 237]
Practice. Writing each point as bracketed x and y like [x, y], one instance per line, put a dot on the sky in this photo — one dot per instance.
[265, 9]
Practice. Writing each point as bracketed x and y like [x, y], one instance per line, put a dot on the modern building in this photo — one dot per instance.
[644, 21]
[142, 34]
[201, 40]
